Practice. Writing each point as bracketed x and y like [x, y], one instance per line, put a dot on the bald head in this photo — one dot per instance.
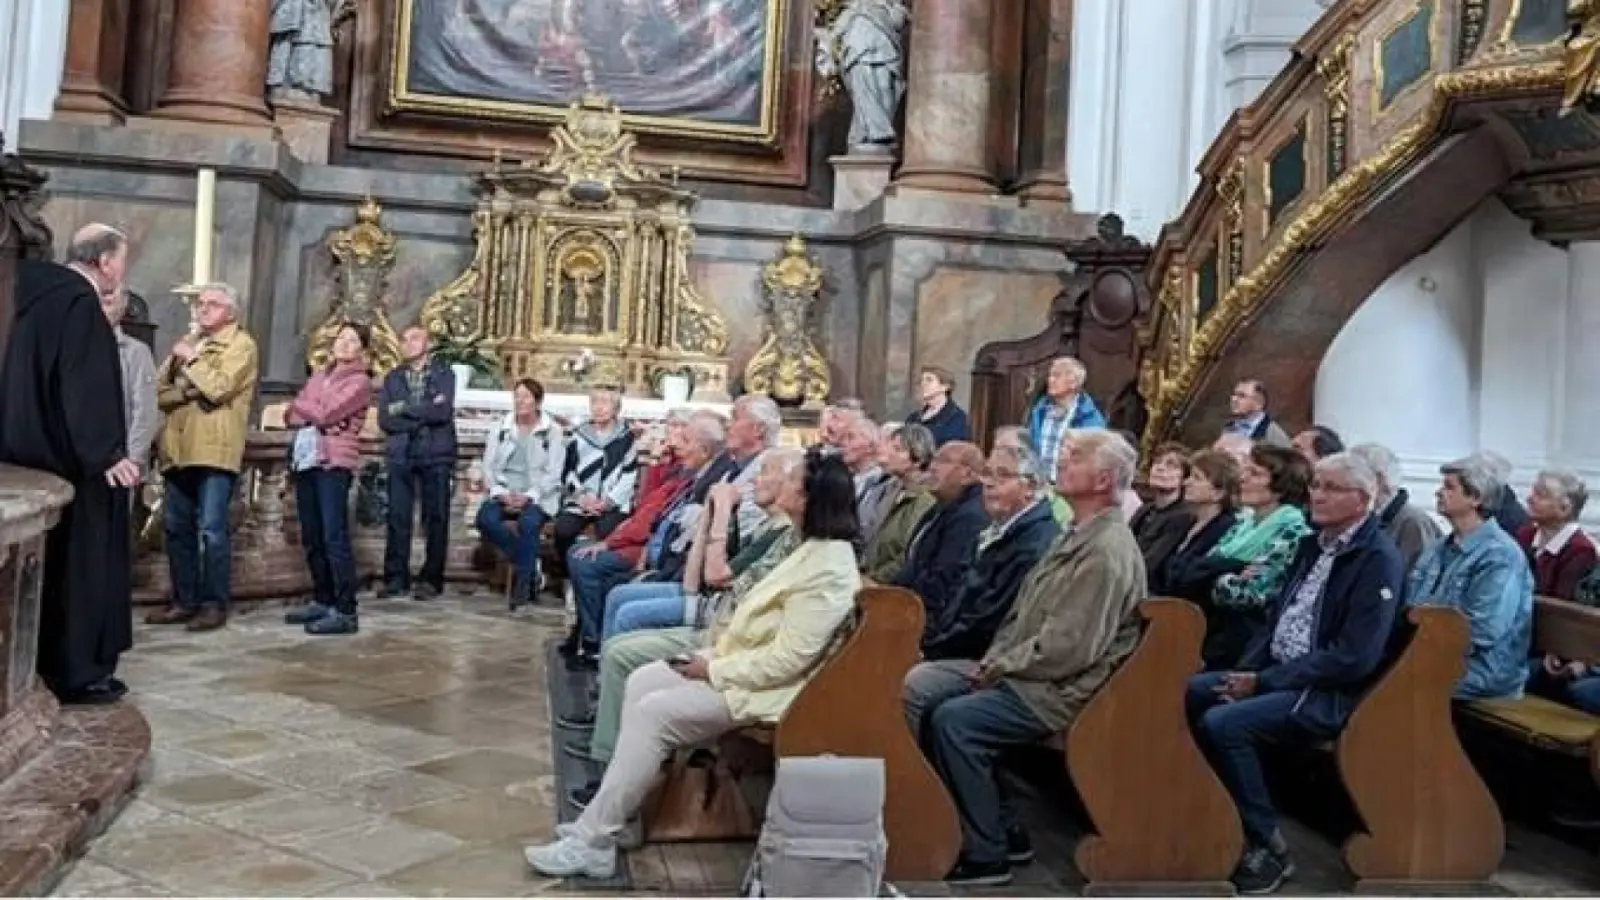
[956, 466]
[101, 252]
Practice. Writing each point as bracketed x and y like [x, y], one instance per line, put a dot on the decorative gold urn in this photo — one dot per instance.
[364, 254]
[585, 250]
[789, 367]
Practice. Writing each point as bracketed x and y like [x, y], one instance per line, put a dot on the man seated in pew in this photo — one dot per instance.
[905, 455]
[1016, 437]
[1410, 526]
[943, 542]
[1073, 622]
[761, 660]
[1557, 548]
[1480, 571]
[713, 584]
[1020, 530]
[1508, 511]
[1302, 676]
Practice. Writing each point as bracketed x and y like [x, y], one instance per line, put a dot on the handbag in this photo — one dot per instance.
[699, 800]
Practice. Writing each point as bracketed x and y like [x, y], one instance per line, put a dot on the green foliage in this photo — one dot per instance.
[453, 351]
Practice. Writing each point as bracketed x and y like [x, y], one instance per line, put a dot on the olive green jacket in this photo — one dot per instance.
[887, 553]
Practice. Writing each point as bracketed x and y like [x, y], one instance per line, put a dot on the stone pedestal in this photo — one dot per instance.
[219, 63]
[1042, 146]
[91, 78]
[949, 91]
[63, 773]
[859, 179]
[306, 127]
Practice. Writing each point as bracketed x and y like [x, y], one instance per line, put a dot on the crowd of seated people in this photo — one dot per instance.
[709, 606]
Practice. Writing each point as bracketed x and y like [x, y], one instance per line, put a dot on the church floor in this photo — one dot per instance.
[416, 759]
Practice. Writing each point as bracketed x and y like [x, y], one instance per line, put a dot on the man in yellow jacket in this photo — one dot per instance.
[205, 389]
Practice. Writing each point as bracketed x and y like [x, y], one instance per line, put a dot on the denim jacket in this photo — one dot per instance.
[1485, 576]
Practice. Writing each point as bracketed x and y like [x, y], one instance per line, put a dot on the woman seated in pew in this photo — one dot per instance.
[1478, 570]
[1212, 491]
[1327, 629]
[770, 646]
[1160, 525]
[904, 455]
[713, 584]
[1557, 548]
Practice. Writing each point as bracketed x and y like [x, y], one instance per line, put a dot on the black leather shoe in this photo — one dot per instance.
[97, 694]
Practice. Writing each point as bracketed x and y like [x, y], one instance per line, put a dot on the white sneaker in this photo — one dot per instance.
[570, 856]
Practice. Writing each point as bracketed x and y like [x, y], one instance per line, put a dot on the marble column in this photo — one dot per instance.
[1047, 68]
[219, 63]
[91, 79]
[949, 91]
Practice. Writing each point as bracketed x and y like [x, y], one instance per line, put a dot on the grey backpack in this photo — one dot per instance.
[823, 836]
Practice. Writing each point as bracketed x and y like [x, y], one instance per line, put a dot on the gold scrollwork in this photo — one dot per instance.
[1230, 189]
[364, 254]
[1334, 69]
[1581, 56]
[788, 366]
[1474, 21]
[1317, 217]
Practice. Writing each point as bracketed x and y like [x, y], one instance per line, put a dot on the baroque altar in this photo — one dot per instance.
[585, 250]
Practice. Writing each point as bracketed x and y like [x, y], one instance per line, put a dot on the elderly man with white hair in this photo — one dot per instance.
[1507, 508]
[1559, 551]
[1062, 407]
[1302, 675]
[1073, 622]
[205, 388]
[1408, 525]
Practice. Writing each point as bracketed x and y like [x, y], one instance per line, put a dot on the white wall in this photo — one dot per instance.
[1148, 101]
[33, 42]
[1480, 343]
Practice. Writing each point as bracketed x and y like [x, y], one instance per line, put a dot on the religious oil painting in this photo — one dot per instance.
[688, 67]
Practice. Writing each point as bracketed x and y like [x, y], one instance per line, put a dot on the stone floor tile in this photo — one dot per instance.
[238, 744]
[393, 790]
[88, 878]
[217, 789]
[286, 818]
[492, 870]
[484, 818]
[257, 871]
[405, 747]
[377, 848]
[484, 769]
[322, 767]
[362, 889]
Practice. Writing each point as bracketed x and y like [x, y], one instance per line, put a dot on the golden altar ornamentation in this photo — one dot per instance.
[586, 249]
[789, 367]
[364, 253]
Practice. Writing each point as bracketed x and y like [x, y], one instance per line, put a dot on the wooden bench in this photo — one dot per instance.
[1429, 818]
[852, 706]
[1161, 816]
[1570, 631]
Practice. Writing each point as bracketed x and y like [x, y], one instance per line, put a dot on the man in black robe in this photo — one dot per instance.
[61, 412]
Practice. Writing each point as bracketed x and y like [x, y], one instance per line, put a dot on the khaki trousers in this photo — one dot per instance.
[619, 658]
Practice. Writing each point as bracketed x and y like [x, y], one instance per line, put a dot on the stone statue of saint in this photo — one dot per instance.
[865, 47]
[300, 61]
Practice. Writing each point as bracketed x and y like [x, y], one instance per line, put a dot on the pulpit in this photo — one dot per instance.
[581, 271]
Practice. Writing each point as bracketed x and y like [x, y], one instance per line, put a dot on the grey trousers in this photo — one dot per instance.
[619, 657]
[963, 730]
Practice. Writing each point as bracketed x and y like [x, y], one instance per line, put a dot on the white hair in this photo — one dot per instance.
[1566, 484]
[1384, 464]
[707, 429]
[1355, 470]
[1111, 453]
[1497, 463]
[1479, 481]
[783, 460]
[764, 412]
[230, 297]
[859, 423]
[1074, 365]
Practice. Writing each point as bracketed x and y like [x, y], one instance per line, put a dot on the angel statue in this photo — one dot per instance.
[865, 48]
[300, 56]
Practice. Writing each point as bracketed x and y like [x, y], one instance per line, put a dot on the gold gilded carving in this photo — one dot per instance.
[1315, 219]
[586, 249]
[365, 254]
[1231, 191]
[1581, 56]
[789, 367]
[1334, 68]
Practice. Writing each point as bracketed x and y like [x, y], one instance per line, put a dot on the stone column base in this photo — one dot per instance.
[1044, 188]
[307, 128]
[859, 178]
[265, 132]
[954, 179]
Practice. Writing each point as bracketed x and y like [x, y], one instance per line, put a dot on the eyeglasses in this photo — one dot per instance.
[999, 475]
[1327, 488]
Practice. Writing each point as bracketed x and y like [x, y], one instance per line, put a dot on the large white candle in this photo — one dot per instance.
[205, 214]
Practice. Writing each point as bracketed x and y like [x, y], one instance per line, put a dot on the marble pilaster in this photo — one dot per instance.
[1047, 73]
[33, 37]
[91, 81]
[219, 63]
[949, 91]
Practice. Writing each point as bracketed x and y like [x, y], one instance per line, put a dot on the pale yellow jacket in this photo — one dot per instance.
[207, 403]
[788, 619]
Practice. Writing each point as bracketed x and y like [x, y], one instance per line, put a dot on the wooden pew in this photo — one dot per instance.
[1429, 818]
[1571, 631]
[851, 706]
[1162, 818]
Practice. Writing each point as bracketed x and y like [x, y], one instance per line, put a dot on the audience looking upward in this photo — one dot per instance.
[943, 542]
[904, 455]
[1063, 406]
[1325, 634]
[939, 414]
[1559, 551]
[522, 463]
[1016, 437]
[1508, 511]
[1317, 442]
[1248, 418]
[1408, 525]
[1212, 493]
[1161, 524]
[417, 412]
[599, 474]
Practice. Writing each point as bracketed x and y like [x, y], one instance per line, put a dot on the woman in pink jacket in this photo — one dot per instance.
[329, 413]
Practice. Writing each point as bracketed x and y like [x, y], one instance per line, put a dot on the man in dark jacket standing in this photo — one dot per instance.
[1301, 677]
[943, 543]
[61, 412]
[417, 411]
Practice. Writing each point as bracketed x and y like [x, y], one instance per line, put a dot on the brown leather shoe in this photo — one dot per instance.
[172, 615]
[210, 618]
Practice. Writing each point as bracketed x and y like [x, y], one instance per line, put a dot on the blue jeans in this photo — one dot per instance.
[195, 513]
[322, 501]
[1582, 692]
[592, 579]
[966, 733]
[641, 605]
[1229, 734]
[521, 547]
[408, 483]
